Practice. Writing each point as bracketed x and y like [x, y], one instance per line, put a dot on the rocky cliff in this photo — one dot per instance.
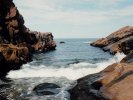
[117, 41]
[17, 42]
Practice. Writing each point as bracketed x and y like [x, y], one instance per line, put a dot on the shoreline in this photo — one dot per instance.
[18, 43]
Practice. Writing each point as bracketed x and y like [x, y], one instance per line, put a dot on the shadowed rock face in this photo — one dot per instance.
[17, 42]
[3, 63]
[119, 41]
[113, 83]
[127, 46]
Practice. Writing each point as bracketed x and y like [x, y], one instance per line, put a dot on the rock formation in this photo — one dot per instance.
[113, 83]
[46, 89]
[17, 42]
[117, 41]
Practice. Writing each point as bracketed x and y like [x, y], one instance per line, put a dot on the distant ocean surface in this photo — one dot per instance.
[71, 60]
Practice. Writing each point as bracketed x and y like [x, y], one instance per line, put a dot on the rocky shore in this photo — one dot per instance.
[17, 42]
[115, 81]
[119, 41]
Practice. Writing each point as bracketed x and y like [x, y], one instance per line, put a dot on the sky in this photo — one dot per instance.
[76, 18]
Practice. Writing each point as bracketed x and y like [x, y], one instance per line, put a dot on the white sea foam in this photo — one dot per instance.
[88, 42]
[73, 71]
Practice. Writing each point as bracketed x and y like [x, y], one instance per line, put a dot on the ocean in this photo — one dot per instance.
[70, 61]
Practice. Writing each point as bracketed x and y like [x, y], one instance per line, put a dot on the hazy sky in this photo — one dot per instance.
[76, 18]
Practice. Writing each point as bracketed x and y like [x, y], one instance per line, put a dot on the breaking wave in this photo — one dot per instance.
[72, 72]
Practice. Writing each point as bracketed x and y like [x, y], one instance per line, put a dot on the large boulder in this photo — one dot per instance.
[116, 41]
[113, 83]
[46, 89]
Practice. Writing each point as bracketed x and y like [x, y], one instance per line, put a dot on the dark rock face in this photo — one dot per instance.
[118, 41]
[113, 83]
[3, 63]
[17, 42]
[87, 88]
[46, 89]
[128, 59]
[127, 46]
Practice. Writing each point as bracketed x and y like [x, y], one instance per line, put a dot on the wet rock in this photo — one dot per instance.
[118, 41]
[109, 84]
[46, 89]
[3, 98]
[128, 58]
[87, 88]
[34, 89]
[4, 67]
[5, 79]
[127, 45]
[62, 42]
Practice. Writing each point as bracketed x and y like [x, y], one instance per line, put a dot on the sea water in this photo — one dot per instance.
[70, 61]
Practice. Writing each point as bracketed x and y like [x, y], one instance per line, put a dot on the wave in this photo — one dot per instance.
[72, 72]
[88, 42]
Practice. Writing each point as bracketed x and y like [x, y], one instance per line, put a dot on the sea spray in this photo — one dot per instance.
[72, 72]
[23, 89]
